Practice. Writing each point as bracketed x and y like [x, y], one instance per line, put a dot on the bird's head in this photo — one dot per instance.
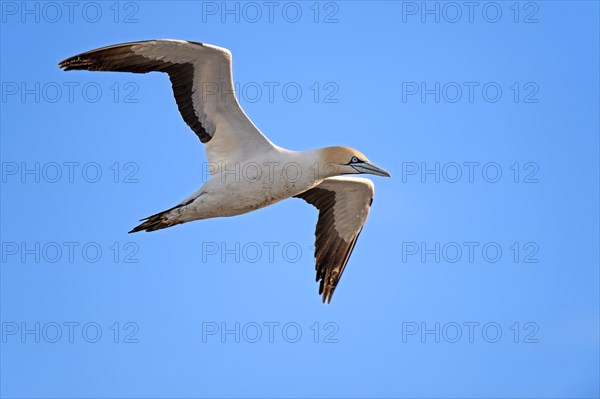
[339, 161]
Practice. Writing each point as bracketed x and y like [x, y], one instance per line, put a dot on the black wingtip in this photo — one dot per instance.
[71, 63]
[63, 64]
[327, 294]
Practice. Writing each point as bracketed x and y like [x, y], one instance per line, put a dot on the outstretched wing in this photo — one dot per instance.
[343, 205]
[203, 86]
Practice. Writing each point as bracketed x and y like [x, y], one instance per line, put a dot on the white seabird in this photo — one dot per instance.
[248, 171]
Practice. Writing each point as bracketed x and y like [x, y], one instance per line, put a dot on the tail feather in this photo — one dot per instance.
[158, 221]
[153, 223]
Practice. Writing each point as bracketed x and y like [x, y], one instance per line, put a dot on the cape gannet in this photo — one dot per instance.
[247, 170]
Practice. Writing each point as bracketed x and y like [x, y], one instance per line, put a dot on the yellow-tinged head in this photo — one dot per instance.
[347, 161]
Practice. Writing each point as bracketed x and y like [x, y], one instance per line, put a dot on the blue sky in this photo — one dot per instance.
[476, 274]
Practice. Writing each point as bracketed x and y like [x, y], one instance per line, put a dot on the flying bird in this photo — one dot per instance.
[248, 171]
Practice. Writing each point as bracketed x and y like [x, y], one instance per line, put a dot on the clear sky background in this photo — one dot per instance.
[476, 274]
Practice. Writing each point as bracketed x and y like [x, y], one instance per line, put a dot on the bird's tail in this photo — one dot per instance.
[154, 222]
[161, 220]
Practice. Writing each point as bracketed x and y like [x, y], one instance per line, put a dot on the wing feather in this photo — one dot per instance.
[202, 84]
[343, 205]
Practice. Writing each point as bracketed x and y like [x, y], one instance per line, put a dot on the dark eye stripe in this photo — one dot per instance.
[354, 159]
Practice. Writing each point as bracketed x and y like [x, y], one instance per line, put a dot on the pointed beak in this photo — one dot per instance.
[371, 169]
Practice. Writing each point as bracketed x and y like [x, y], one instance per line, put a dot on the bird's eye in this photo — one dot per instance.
[354, 160]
